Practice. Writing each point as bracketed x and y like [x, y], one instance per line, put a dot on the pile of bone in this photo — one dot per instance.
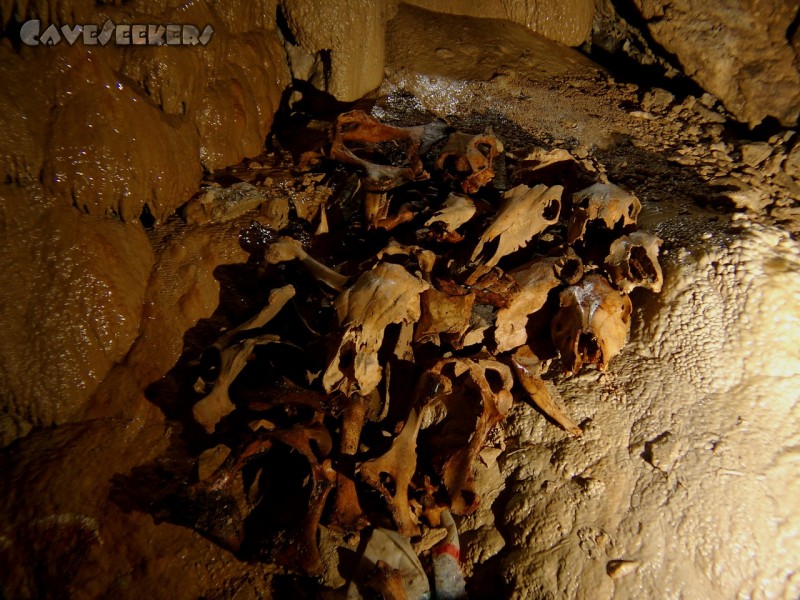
[477, 287]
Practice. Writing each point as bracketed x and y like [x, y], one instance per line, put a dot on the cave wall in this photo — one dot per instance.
[93, 135]
[738, 51]
[97, 137]
[339, 46]
[110, 129]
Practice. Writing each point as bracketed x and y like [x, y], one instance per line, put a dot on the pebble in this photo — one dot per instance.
[708, 115]
[658, 100]
[792, 165]
[754, 154]
[620, 568]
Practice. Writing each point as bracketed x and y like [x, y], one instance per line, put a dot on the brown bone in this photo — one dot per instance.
[385, 295]
[357, 132]
[347, 512]
[211, 409]
[391, 473]
[604, 203]
[300, 550]
[286, 249]
[632, 262]
[528, 369]
[454, 212]
[396, 468]
[592, 323]
[456, 461]
[525, 213]
[471, 157]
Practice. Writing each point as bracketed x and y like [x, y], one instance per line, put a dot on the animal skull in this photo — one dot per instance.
[454, 212]
[603, 202]
[470, 416]
[632, 262]
[525, 213]
[592, 323]
[385, 295]
[536, 280]
[470, 158]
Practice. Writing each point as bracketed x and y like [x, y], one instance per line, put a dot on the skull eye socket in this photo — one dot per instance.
[550, 212]
[485, 149]
[626, 313]
[641, 267]
[588, 347]
[631, 210]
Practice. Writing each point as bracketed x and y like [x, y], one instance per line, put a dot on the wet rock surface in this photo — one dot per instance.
[130, 127]
[86, 535]
[749, 62]
[566, 22]
[686, 456]
[71, 306]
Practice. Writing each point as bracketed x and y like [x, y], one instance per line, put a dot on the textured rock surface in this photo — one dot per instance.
[350, 32]
[184, 289]
[567, 22]
[110, 151]
[112, 132]
[461, 65]
[339, 46]
[686, 470]
[738, 51]
[69, 307]
[71, 526]
[129, 127]
[686, 467]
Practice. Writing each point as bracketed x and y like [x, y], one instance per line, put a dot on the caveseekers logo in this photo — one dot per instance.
[121, 35]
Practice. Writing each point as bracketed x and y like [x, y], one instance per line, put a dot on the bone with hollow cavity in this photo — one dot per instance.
[286, 249]
[525, 213]
[385, 295]
[592, 323]
[632, 262]
[602, 202]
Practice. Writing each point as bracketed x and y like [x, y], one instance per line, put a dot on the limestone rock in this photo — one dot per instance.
[22, 142]
[756, 153]
[568, 22]
[111, 151]
[70, 305]
[348, 34]
[700, 416]
[185, 289]
[73, 518]
[127, 127]
[737, 50]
